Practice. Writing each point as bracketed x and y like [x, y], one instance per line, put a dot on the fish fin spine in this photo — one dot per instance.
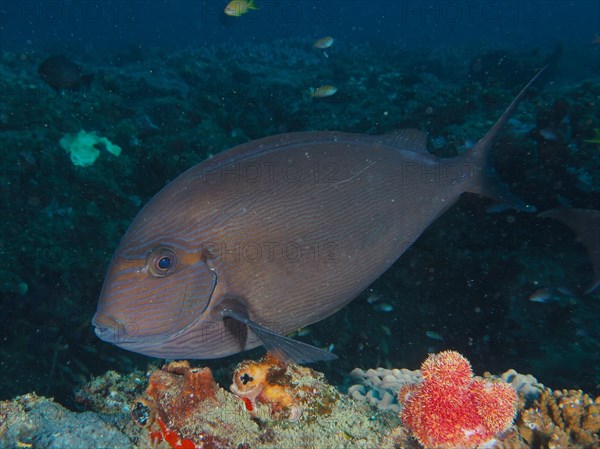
[485, 180]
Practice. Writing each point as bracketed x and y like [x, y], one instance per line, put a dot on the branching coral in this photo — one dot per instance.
[567, 418]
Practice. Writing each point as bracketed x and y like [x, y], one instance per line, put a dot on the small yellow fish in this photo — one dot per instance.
[324, 91]
[237, 8]
[324, 42]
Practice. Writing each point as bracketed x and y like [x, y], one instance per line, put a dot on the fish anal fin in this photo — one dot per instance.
[282, 347]
[234, 327]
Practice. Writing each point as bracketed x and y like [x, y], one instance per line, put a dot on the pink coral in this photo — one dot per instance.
[451, 409]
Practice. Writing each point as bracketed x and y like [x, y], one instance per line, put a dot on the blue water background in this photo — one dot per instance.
[59, 25]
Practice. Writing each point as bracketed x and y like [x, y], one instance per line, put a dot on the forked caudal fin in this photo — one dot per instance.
[585, 223]
[486, 180]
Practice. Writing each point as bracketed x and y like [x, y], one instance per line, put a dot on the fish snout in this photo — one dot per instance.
[111, 330]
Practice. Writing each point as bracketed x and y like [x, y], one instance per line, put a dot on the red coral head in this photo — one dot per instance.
[496, 403]
[447, 368]
[450, 409]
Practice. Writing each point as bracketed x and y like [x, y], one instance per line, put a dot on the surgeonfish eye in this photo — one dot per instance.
[162, 262]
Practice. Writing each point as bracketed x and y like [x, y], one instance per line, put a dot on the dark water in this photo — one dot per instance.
[177, 81]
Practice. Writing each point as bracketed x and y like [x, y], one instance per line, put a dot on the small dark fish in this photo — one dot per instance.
[275, 234]
[549, 134]
[434, 335]
[60, 73]
[586, 225]
[383, 307]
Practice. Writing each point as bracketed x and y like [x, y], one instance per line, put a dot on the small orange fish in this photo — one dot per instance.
[323, 43]
[324, 91]
[237, 8]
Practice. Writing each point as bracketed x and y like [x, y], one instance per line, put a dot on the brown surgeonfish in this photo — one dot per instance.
[276, 234]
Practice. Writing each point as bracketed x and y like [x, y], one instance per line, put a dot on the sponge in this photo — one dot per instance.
[84, 147]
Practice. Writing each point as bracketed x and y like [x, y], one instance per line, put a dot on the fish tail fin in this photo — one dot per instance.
[486, 181]
[252, 5]
[585, 224]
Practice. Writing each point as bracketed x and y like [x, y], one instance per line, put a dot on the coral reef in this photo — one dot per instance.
[289, 391]
[554, 420]
[379, 387]
[177, 403]
[451, 408]
[278, 406]
[31, 421]
[524, 384]
[274, 405]
[561, 419]
[111, 393]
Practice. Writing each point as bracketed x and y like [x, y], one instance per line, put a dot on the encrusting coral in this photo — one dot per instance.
[287, 390]
[177, 399]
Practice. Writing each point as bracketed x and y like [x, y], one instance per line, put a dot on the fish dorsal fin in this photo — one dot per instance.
[406, 139]
[284, 348]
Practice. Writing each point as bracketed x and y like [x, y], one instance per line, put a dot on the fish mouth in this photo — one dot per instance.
[112, 330]
[108, 328]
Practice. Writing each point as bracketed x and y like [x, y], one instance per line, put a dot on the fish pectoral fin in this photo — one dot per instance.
[284, 348]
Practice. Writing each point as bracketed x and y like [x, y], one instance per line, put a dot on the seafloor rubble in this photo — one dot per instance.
[271, 404]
